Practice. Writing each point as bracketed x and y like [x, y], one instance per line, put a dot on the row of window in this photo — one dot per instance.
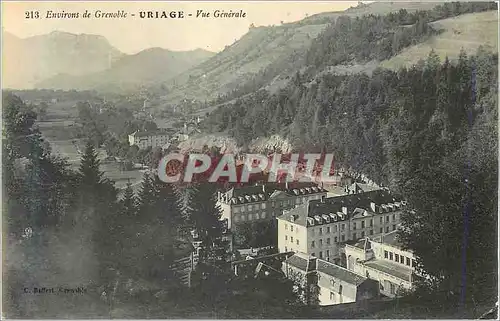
[328, 229]
[291, 239]
[327, 254]
[250, 217]
[249, 207]
[401, 259]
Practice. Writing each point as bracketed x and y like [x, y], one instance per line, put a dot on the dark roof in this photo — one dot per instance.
[318, 212]
[260, 193]
[298, 262]
[339, 272]
[391, 268]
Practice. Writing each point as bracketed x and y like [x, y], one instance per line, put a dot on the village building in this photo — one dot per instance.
[265, 201]
[145, 139]
[383, 259]
[328, 283]
[321, 227]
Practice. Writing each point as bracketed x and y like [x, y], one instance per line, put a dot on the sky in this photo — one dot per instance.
[132, 34]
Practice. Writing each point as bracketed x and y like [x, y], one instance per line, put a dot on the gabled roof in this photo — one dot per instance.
[340, 273]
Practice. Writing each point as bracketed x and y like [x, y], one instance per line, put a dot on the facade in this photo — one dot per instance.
[321, 227]
[265, 201]
[148, 139]
[333, 284]
[383, 259]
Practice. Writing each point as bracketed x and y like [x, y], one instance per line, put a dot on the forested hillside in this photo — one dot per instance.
[428, 132]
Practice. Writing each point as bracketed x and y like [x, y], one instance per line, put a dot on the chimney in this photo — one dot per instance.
[263, 188]
[323, 197]
[344, 210]
[372, 207]
[286, 184]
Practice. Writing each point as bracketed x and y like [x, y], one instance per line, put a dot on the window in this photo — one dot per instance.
[320, 243]
[362, 234]
[291, 228]
[263, 215]
[335, 228]
[286, 249]
[236, 210]
[249, 217]
[328, 254]
[354, 236]
[286, 237]
[328, 229]
[397, 257]
[335, 239]
[312, 244]
[381, 220]
[413, 263]
[362, 224]
[263, 206]
[343, 238]
[256, 216]
[394, 227]
[387, 229]
[371, 222]
[391, 256]
[291, 239]
[242, 209]
[371, 232]
[328, 241]
[402, 259]
[387, 218]
[297, 242]
[343, 227]
[297, 201]
[286, 227]
[332, 296]
[340, 289]
[243, 217]
[386, 254]
[249, 207]
[393, 217]
[320, 254]
[354, 225]
[393, 288]
[320, 231]
[408, 261]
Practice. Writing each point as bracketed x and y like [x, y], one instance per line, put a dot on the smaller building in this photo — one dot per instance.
[145, 139]
[333, 283]
[383, 259]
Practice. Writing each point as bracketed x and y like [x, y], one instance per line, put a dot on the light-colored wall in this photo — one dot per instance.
[326, 287]
[285, 235]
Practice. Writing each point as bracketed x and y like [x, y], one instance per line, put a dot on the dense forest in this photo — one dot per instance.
[358, 40]
[428, 132]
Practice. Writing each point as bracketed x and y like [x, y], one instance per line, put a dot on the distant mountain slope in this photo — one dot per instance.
[27, 61]
[270, 51]
[467, 31]
[132, 71]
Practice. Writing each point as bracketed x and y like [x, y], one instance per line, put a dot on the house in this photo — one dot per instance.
[265, 201]
[329, 283]
[321, 227]
[145, 139]
[383, 259]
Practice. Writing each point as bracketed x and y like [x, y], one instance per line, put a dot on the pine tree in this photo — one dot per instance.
[128, 204]
[205, 216]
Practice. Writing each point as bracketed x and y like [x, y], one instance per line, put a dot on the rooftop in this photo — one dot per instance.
[341, 208]
[152, 133]
[260, 193]
[301, 260]
[397, 270]
[340, 273]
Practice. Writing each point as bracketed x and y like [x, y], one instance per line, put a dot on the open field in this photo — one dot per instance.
[69, 148]
[467, 31]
